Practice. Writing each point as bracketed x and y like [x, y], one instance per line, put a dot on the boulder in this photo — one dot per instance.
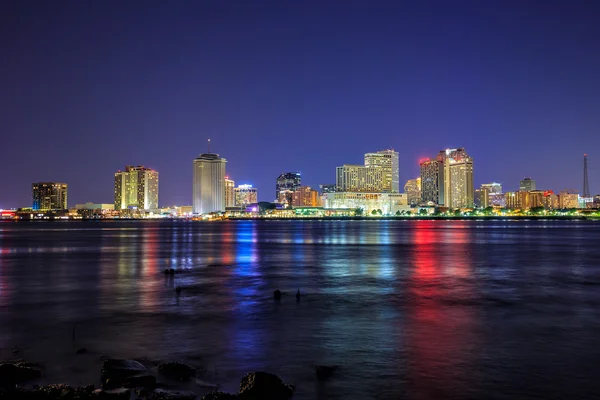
[114, 372]
[13, 374]
[219, 396]
[264, 386]
[177, 371]
[140, 381]
[161, 394]
[325, 372]
[62, 391]
[116, 394]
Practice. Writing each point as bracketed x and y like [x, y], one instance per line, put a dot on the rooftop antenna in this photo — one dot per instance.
[586, 186]
[208, 146]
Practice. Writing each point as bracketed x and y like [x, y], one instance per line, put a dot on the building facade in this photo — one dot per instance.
[49, 196]
[209, 184]
[245, 194]
[285, 185]
[527, 185]
[388, 203]
[412, 188]
[358, 178]
[568, 200]
[136, 187]
[458, 179]
[327, 188]
[229, 192]
[389, 162]
[482, 197]
[305, 196]
[432, 181]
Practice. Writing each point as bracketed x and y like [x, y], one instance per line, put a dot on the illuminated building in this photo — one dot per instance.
[568, 200]
[518, 200]
[209, 184]
[550, 200]
[136, 187]
[358, 178]
[229, 192]
[536, 198]
[328, 188]
[388, 203]
[305, 196]
[94, 206]
[245, 195]
[527, 185]
[495, 196]
[49, 196]
[493, 187]
[458, 178]
[432, 181]
[388, 161]
[285, 185]
[412, 188]
[482, 197]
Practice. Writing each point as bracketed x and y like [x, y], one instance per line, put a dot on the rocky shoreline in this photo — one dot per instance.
[129, 379]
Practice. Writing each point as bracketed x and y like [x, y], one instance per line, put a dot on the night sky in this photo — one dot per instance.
[87, 87]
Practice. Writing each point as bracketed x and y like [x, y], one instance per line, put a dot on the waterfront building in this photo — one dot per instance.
[358, 178]
[482, 197]
[245, 195]
[536, 198]
[517, 200]
[432, 181]
[412, 188]
[305, 196]
[568, 200]
[136, 188]
[388, 203]
[458, 179]
[550, 200]
[209, 184]
[49, 196]
[527, 185]
[95, 206]
[388, 161]
[285, 185]
[229, 192]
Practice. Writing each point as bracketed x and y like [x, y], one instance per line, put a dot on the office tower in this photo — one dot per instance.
[245, 194]
[358, 178]
[327, 188]
[568, 200]
[412, 188]
[586, 186]
[285, 185]
[49, 196]
[482, 197]
[458, 178]
[136, 187]
[432, 181]
[388, 160]
[493, 187]
[229, 192]
[209, 183]
[527, 185]
[305, 196]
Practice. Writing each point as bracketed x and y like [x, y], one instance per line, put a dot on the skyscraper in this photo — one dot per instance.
[458, 178]
[285, 185]
[209, 184]
[527, 185]
[358, 178]
[388, 160]
[586, 186]
[229, 192]
[136, 187]
[245, 194]
[49, 196]
[432, 181]
[412, 188]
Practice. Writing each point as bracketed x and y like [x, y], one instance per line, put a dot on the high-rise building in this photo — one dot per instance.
[358, 178]
[482, 197]
[285, 185]
[493, 187]
[229, 192]
[458, 178]
[568, 200]
[388, 160]
[49, 196]
[527, 185]
[136, 187]
[305, 196]
[412, 188]
[432, 181]
[209, 184]
[245, 194]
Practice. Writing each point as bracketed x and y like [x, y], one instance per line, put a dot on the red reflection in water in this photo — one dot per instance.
[150, 283]
[440, 322]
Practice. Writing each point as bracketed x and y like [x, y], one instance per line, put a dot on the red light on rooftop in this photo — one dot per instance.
[424, 159]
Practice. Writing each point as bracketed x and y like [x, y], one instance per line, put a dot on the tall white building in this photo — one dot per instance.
[209, 184]
[136, 187]
[388, 160]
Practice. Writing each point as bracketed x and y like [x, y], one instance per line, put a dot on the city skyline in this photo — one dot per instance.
[303, 93]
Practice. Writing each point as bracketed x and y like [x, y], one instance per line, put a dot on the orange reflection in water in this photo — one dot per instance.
[440, 321]
[149, 282]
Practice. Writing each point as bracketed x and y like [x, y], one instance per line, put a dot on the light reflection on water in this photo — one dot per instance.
[420, 309]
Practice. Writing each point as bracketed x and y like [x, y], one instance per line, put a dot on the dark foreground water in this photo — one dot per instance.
[406, 309]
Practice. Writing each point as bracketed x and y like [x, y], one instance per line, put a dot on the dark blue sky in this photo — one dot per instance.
[89, 86]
